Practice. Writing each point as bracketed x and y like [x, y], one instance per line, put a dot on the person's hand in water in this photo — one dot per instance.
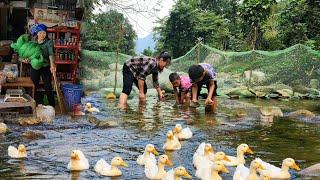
[208, 101]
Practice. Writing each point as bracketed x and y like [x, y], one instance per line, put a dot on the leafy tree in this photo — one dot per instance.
[254, 13]
[176, 34]
[106, 30]
[147, 52]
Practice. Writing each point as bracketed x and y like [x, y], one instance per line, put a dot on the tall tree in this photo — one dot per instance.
[176, 34]
[254, 13]
[103, 33]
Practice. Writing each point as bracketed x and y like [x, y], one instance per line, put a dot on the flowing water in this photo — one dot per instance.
[148, 123]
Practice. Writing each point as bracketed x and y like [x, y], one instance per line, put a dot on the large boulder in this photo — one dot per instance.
[109, 81]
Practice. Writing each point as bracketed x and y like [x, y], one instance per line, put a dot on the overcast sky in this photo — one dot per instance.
[143, 22]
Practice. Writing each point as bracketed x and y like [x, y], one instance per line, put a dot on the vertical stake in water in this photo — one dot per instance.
[253, 52]
[199, 40]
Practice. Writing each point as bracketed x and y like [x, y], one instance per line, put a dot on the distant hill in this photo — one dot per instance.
[143, 43]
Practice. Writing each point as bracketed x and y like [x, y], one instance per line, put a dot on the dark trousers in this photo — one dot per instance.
[45, 75]
[200, 84]
[129, 79]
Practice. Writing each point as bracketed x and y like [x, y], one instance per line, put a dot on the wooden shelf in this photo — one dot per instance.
[66, 46]
[66, 62]
[63, 30]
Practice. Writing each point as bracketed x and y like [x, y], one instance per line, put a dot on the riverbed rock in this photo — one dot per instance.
[3, 128]
[46, 114]
[33, 135]
[29, 120]
[240, 92]
[271, 111]
[301, 114]
[102, 123]
[240, 113]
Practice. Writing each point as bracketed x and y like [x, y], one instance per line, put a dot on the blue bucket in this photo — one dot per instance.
[72, 94]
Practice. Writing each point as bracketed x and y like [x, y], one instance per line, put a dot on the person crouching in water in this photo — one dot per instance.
[136, 69]
[181, 87]
[204, 74]
[39, 31]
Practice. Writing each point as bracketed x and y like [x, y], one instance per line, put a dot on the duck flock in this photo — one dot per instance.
[208, 164]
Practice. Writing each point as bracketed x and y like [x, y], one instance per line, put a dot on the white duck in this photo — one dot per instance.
[241, 150]
[103, 168]
[176, 174]
[243, 173]
[78, 161]
[90, 109]
[148, 154]
[204, 151]
[21, 152]
[172, 143]
[154, 171]
[277, 173]
[212, 172]
[182, 134]
[205, 165]
[3, 128]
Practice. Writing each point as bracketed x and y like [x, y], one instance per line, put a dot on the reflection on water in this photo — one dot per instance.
[140, 124]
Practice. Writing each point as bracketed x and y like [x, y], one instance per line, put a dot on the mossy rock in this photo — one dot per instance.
[241, 92]
[271, 88]
[314, 83]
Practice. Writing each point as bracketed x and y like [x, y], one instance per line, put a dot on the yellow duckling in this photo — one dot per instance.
[90, 109]
[279, 173]
[213, 173]
[148, 154]
[3, 128]
[264, 177]
[182, 134]
[176, 174]
[243, 173]
[154, 171]
[241, 150]
[172, 143]
[206, 164]
[21, 152]
[78, 161]
[204, 151]
[103, 168]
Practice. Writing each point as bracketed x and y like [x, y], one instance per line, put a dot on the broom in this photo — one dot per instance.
[62, 105]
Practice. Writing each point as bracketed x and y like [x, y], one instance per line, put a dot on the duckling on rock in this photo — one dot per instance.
[103, 168]
[21, 152]
[78, 161]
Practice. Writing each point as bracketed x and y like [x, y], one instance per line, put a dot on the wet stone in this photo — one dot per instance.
[32, 135]
[30, 120]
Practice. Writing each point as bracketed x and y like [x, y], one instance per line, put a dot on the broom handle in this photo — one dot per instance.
[56, 85]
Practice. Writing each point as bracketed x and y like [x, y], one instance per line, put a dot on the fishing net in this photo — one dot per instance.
[295, 65]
